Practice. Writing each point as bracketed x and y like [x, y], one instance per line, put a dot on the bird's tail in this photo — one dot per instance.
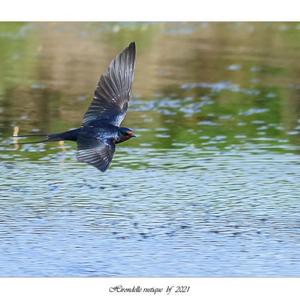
[68, 135]
[30, 142]
[46, 138]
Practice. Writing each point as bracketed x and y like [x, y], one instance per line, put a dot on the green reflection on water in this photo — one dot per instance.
[213, 86]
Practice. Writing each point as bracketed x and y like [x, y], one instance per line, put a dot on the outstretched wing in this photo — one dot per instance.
[110, 101]
[95, 152]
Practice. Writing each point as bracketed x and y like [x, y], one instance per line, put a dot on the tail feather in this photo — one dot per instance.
[39, 141]
[31, 135]
[51, 137]
[68, 135]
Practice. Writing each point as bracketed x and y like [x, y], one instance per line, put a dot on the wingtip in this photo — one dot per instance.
[131, 51]
[132, 46]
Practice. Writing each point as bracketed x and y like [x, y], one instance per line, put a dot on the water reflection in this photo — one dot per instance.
[208, 189]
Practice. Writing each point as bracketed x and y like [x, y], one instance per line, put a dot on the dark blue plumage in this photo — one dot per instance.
[100, 130]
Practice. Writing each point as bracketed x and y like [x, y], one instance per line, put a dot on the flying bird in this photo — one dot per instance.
[100, 130]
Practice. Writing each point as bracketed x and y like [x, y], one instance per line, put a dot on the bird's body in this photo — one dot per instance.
[97, 130]
[100, 130]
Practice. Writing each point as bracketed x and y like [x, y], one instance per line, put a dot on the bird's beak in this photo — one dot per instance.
[133, 135]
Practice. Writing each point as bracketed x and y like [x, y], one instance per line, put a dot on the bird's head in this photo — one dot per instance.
[125, 134]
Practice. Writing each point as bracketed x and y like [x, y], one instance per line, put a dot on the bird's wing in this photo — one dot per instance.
[95, 152]
[110, 101]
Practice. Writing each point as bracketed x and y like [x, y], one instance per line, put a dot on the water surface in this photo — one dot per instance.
[209, 189]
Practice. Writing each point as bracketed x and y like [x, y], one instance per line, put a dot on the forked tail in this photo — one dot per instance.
[68, 135]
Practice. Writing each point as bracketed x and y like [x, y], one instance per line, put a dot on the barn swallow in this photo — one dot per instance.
[100, 130]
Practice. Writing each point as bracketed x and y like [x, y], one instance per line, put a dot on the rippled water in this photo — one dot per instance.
[210, 187]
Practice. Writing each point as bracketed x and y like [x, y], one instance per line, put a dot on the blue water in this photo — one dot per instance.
[223, 215]
[210, 188]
